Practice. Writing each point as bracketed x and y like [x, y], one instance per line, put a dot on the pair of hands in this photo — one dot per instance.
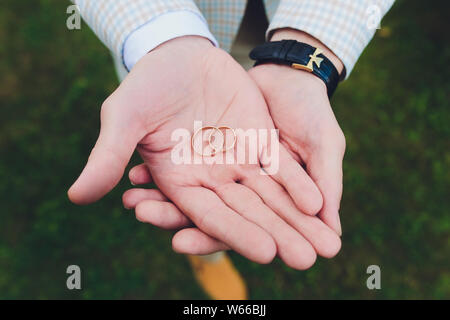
[223, 207]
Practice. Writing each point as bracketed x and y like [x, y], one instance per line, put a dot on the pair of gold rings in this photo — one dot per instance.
[215, 147]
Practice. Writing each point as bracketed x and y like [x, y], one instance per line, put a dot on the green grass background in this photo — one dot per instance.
[394, 111]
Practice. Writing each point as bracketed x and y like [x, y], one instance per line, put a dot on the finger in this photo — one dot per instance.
[162, 214]
[194, 241]
[326, 171]
[107, 162]
[289, 150]
[298, 184]
[324, 240]
[207, 211]
[132, 197]
[140, 175]
[188, 241]
[293, 249]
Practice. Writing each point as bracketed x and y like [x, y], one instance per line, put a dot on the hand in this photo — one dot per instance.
[301, 110]
[186, 80]
[153, 207]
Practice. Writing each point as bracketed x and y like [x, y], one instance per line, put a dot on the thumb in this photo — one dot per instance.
[326, 172]
[108, 159]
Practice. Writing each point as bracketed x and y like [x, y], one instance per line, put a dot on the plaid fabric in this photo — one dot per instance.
[114, 20]
[224, 18]
[342, 25]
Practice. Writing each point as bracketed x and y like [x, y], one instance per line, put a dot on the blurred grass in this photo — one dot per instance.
[394, 111]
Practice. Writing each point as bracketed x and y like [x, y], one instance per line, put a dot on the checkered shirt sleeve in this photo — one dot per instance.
[114, 20]
[345, 26]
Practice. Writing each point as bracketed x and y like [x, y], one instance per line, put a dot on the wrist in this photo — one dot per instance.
[271, 76]
[292, 34]
[187, 44]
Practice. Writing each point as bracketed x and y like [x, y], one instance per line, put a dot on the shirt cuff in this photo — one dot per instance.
[163, 28]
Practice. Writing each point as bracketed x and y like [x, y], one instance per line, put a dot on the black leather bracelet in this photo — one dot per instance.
[300, 56]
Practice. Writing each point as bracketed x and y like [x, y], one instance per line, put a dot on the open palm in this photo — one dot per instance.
[188, 80]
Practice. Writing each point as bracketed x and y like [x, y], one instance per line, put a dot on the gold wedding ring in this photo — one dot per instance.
[226, 148]
[215, 149]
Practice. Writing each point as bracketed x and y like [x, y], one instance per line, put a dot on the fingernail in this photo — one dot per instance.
[339, 227]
